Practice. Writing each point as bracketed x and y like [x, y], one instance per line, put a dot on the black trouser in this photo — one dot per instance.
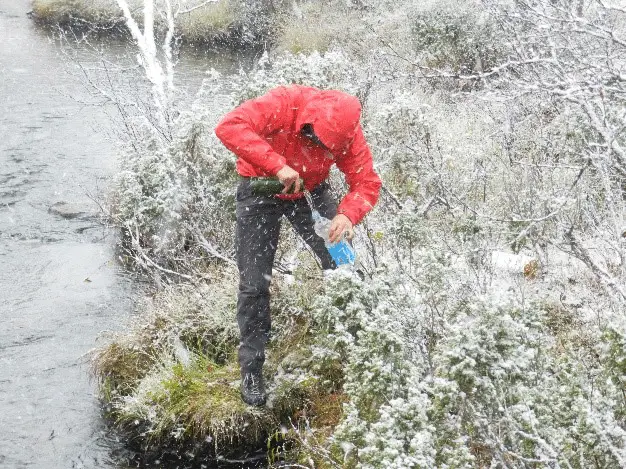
[258, 226]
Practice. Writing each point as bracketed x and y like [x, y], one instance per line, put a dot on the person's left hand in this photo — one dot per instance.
[340, 225]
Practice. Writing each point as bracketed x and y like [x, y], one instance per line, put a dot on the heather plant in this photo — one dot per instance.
[497, 388]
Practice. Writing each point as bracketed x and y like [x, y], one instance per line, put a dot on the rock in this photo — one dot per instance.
[515, 264]
[69, 211]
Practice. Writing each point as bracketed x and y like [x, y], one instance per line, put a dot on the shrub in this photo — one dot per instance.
[176, 202]
[495, 389]
[455, 36]
[331, 70]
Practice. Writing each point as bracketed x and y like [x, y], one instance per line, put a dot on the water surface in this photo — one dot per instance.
[60, 285]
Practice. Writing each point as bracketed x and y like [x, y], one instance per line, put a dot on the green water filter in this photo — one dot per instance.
[270, 186]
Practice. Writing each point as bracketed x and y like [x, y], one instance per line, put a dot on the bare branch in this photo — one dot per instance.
[189, 10]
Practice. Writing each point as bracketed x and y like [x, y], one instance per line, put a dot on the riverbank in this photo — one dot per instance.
[171, 380]
[225, 22]
[236, 24]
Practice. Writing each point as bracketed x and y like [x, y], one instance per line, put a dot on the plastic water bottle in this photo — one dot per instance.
[341, 252]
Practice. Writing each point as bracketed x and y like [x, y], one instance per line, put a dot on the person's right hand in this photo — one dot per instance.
[289, 176]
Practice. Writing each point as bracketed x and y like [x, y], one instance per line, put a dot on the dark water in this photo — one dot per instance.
[59, 283]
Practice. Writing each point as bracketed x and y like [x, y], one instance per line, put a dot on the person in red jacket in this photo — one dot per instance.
[293, 133]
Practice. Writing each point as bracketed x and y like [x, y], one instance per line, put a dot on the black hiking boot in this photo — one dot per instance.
[253, 389]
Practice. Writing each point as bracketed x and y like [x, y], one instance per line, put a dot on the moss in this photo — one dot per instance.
[204, 400]
[200, 403]
[171, 379]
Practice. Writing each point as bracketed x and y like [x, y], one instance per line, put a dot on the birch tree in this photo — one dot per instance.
[158, 62]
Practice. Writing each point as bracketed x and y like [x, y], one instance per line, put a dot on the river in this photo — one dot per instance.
[60, 285]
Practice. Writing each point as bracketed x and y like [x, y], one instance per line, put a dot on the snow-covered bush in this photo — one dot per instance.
[500, 387]
[458, 36]
[400, 137]
[361, 329]
[555, 59]
[331, 70]
[437, 353]
[177, 200]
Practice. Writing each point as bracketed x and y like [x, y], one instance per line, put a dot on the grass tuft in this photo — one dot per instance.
[76, 13]
[212, 21]
[120, 366]
[316, 27]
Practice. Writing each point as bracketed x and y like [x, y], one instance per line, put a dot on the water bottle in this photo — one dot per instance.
[341, 252]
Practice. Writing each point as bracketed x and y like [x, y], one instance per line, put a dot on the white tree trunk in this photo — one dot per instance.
[157, 73]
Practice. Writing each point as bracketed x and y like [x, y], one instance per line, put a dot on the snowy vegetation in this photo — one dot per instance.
[227, 22]
[489, 328]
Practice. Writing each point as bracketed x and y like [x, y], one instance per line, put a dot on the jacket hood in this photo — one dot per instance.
[334, 116]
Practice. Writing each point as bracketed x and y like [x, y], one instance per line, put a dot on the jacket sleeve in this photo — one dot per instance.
[364, 184]
[243, 129]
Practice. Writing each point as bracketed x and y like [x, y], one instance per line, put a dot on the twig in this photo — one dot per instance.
[189, 10]
[207, 246]
[583, 254]
[392, 196]
[139, 250]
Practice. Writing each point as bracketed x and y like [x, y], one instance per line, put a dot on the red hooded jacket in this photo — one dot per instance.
[265, 135]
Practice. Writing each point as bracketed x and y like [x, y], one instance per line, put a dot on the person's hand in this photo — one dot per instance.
[289, 176]
[340, 225]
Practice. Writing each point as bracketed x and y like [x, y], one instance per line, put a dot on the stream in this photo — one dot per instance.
[60, 284]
